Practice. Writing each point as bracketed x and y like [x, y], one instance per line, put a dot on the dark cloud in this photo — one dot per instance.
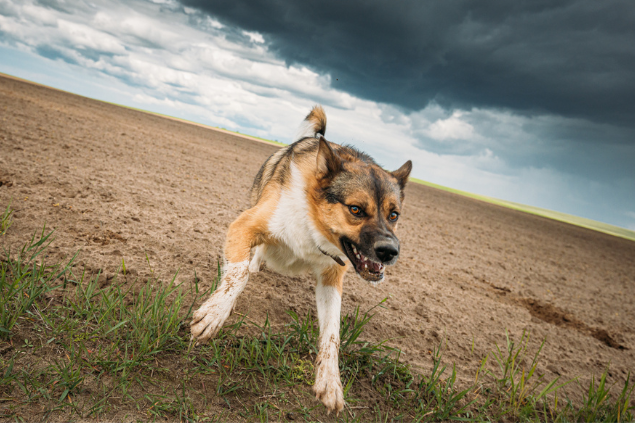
[54, 4]
[577, 147]
[569, 58]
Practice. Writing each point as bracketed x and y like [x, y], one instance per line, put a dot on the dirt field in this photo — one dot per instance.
[117, 183]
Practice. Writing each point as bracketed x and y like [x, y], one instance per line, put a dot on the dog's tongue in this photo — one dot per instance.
[370, 266]
[368, 269]
[374, 267]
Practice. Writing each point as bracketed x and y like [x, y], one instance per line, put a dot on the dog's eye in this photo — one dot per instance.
[393, 216]
[355, 210]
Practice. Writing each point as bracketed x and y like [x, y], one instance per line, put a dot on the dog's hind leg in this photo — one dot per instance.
[256, 261]
[328, 386]
[246, 232]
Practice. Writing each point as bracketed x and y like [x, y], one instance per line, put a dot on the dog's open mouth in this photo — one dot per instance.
[368, 269]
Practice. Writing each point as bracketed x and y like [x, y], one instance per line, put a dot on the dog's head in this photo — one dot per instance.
[358, 205]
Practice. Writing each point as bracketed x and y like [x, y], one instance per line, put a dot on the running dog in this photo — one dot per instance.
[316, 207]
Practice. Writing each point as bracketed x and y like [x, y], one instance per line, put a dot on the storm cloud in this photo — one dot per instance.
[530, 102]
[569, 58]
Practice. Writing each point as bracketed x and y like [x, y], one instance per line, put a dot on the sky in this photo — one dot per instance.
[526, 101]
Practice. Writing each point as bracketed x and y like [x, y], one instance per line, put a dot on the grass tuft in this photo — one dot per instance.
[598, 405]
[520, 387]
[6, 220]
[24, 280]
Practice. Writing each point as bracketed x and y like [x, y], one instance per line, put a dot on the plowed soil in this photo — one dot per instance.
[122, 184]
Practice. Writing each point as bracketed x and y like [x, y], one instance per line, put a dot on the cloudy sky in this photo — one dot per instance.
[528, 101]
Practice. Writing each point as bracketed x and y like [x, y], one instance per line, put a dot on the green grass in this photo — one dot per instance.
[550, 214]
[6, 220]
[122, 351]
[522, 390]
[24, 281]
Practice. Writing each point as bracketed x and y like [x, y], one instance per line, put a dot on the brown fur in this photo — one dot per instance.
[320, 162]
[334, 276]
[317, 119]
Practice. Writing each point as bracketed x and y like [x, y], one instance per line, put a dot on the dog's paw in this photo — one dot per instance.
[208, 320]
[328, 387]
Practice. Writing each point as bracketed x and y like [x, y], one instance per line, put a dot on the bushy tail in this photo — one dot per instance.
[313, 124]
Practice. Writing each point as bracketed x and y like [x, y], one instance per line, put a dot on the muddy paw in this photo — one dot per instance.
[328, 388]
[208, 320]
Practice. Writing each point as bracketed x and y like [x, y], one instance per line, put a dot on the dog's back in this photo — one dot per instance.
[276, 167]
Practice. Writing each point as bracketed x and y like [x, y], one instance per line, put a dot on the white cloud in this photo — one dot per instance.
[84, 37]
[254, 37]
[451, 128]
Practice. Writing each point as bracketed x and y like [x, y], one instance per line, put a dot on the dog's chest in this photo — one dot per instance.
[282, 259]
[298, 241]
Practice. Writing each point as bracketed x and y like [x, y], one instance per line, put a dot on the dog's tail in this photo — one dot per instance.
[314, 124]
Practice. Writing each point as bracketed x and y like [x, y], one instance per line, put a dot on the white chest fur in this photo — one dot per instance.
[299, 242]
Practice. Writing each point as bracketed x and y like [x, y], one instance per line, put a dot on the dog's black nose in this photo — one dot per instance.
[386, 251]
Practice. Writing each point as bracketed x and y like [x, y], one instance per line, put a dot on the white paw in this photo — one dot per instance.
[208, 320]
[328, 386]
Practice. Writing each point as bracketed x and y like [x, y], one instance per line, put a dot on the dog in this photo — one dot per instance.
[316, 207]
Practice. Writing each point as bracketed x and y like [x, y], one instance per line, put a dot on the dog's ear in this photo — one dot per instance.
[329, 162]
[402, 174]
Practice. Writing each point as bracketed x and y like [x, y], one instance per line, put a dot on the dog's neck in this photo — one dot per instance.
[336, 258]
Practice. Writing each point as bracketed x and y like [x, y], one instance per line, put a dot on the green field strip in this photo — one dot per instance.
[550, 214]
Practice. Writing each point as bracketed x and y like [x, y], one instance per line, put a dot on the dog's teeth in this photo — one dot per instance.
[354, 249]
[357, 255]
[365, 266]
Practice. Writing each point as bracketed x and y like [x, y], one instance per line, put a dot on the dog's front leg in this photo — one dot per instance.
[244, 233]
[328, 386]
